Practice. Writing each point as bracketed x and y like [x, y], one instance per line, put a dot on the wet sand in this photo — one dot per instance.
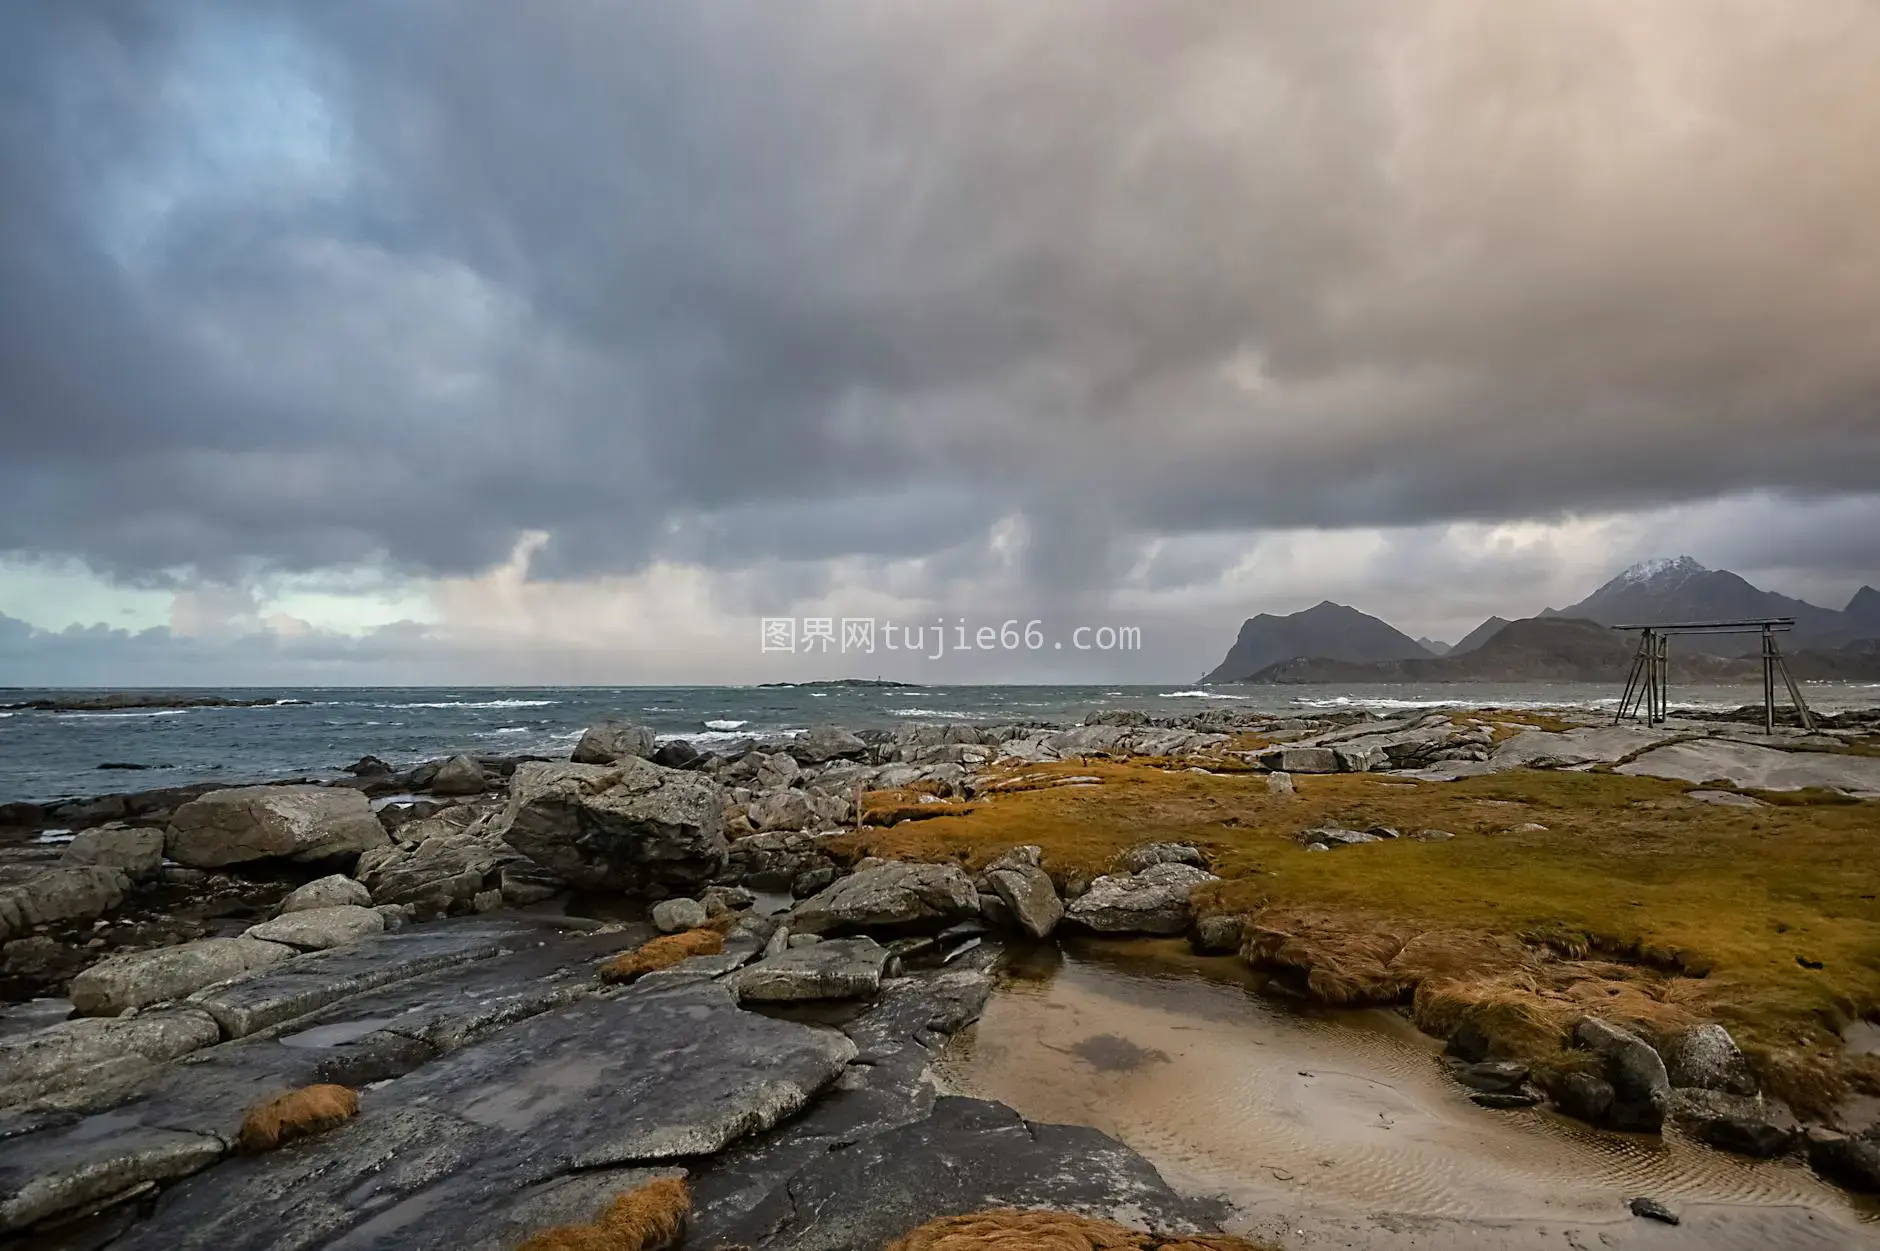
[1344, 1129]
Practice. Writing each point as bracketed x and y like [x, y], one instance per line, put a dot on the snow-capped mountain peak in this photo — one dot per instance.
[1664, 571]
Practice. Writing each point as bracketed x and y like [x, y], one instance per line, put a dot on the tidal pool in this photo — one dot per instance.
[1234, 1091]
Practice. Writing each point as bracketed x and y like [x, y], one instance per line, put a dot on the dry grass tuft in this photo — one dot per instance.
[297, 1114]
[662, 953]
[651, 1218]
[1010, 1229]
[1340, 964]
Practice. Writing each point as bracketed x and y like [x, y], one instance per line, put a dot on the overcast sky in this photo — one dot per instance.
[562, 341]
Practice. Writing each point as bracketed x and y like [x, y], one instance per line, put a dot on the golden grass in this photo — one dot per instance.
[1639, 898]
[662, 953]
[651, 1218]
[297, 1114]
[1012, 1229]
[1506, 723]
[915, 802]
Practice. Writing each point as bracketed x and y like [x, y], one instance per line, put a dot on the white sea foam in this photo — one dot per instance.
[819, 694]
[951, 714]
[726, 725]
[1199, 695]
[121, 716]
[487, 703]
[703, 738]
[56, 836]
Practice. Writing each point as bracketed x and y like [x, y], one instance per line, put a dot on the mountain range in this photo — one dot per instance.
[1335, 643]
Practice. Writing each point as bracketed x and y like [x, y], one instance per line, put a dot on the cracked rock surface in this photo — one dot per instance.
[505, 1088]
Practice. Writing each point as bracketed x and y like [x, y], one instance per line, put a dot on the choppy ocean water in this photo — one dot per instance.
[50, 755]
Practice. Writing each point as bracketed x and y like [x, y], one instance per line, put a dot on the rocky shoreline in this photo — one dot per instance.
[440, 936]
[120, 701]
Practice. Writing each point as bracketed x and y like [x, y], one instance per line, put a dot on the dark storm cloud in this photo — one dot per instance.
[303, 286]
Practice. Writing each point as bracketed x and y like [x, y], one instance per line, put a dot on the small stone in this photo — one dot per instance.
[812, 882]
[672, 915]
[1652, 1210]
[1148, 855]
[1498, 1076]
[486, 901]
[397, 916]
[797, 941]
[1433, 836]
[1279, 784]
[1504, 1100]
[1217, 935]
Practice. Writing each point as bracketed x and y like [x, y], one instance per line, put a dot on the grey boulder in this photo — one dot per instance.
[1641, 1089]
[1706, 1057]
[616, 827]
[1764, 1128]
[823, 743]
[460, 775]
[303, 823]
[1027, 891]
[1154, 901]
[1851, 1160]
[61, 895]
[783, 809]
[146, 977]
[327, 892]
[838, 968]
[1301, 760]
[138, 852]
[439, 864]
[611, 741]
[316, 929]
[890, 895]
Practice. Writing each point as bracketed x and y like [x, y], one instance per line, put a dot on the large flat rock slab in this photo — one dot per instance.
[1759, 768]
[888, 1086]
[1597, 744]
[106, 1113]
[313, 981]
[138, 978]
[603, 1084]
[964, 1156]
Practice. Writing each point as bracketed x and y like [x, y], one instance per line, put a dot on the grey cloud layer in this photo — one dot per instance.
[300, 286]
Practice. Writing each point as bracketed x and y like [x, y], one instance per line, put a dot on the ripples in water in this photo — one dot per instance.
[1233, 1092]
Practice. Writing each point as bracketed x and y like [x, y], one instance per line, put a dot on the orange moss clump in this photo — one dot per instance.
[1010, 1229]
[297, 1114]
[651, 1218]
[662, 953]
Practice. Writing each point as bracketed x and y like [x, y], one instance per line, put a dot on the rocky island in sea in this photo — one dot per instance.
[461, 1002]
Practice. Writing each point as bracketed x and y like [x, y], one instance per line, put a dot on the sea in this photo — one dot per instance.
[314, 732]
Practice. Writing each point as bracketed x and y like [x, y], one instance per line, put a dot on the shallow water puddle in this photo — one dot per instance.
[1233, 1092]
